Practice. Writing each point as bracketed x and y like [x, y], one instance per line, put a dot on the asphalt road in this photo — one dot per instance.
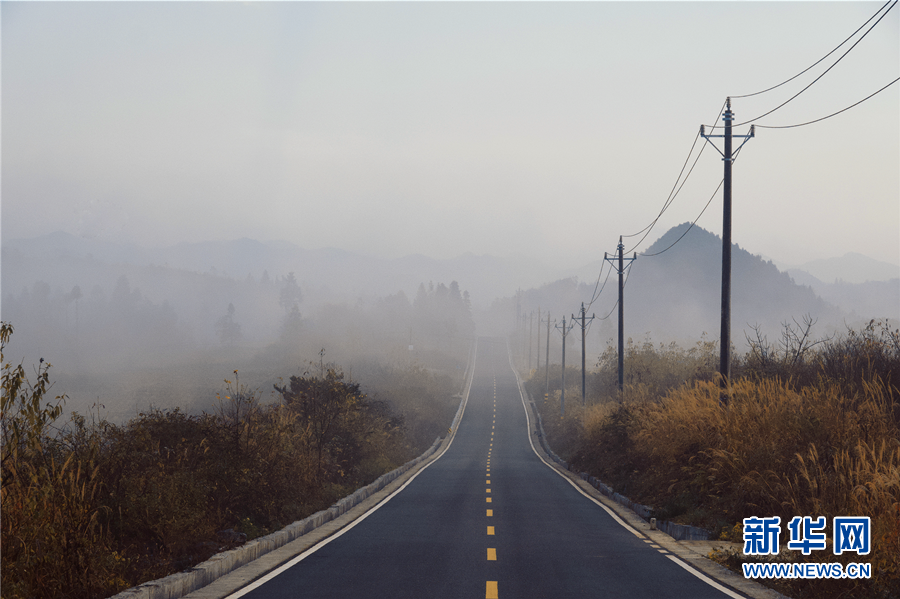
[487, 519]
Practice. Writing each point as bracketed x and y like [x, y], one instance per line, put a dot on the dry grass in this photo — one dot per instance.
[90, 508]
[823, 443]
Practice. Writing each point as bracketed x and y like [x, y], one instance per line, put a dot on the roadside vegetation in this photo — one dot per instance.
[810, 428]
[90, 508]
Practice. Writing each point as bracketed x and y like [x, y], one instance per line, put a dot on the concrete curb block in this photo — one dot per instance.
[679, 532]
[178, 585]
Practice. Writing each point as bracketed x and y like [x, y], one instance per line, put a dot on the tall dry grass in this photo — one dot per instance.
[813, 431]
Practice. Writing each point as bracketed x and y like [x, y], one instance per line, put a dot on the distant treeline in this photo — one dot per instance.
[203, 317]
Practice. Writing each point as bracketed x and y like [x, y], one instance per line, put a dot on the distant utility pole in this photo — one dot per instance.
[538, 346]
[621, 271]
[583, 335]
[518, 308]
[530, 336]
[562, 397]
[547, 373]
[725, 329]
[522, 334]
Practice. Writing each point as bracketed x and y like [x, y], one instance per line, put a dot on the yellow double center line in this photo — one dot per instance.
[490, 591]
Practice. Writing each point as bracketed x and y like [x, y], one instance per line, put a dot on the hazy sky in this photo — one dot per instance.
[543, 129]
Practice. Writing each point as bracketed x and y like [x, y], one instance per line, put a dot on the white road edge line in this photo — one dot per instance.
[614, 516]
[296, 560]
[705, 578]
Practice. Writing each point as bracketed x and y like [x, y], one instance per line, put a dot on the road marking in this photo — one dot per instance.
[611, 513]
[490, 513]
[488, 481]
[492, 554]
[491, 591]
[488, 490]
[487, 499]
[490, 530]
[705, 578]
[296, 560]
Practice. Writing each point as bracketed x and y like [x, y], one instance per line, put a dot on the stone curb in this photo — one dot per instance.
[679, 532]
[178, 585]
[693, 552]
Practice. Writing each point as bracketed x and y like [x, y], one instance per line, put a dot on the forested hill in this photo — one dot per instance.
[678, 292]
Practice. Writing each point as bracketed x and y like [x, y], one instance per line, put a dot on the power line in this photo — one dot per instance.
[833, 114]
[673, 193]
[597, 293]
[692, 224]
[625, 284]
[818, 61]
[669, 198]
[817, 78]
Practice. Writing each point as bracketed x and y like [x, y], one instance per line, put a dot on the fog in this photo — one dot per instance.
[168, 166]
[130, 336]
[127, 328]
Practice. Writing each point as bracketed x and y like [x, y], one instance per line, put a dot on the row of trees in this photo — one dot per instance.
[104, 327]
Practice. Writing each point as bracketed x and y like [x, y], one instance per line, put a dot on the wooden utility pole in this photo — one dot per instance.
[725, 324]
[547, 360]
[562, 396]
[621, 270]
[530, 336]
[583, 336]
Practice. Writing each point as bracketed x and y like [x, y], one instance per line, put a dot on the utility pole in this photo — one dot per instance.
[538, 347]
[547, 365]
[530, 335]
[725, 326]
[621, 270]
[522, 335]
[583, 336]
[562, 396]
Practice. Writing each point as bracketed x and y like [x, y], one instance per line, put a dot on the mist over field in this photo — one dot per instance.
[128, 328]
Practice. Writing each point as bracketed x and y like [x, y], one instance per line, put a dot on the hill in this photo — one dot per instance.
[677, 294]
[849, 268]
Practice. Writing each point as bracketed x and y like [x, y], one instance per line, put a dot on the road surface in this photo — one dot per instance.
[487, 519]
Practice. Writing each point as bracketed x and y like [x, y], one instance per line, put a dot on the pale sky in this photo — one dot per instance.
[537, 129]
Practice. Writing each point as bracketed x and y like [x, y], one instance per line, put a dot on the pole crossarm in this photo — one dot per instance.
[745, 137]
[728, 117]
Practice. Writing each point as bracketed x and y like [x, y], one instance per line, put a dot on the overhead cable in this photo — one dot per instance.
[818, 61]
[693, 223]
[676, 189]
[830, 115]
[817, 78]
